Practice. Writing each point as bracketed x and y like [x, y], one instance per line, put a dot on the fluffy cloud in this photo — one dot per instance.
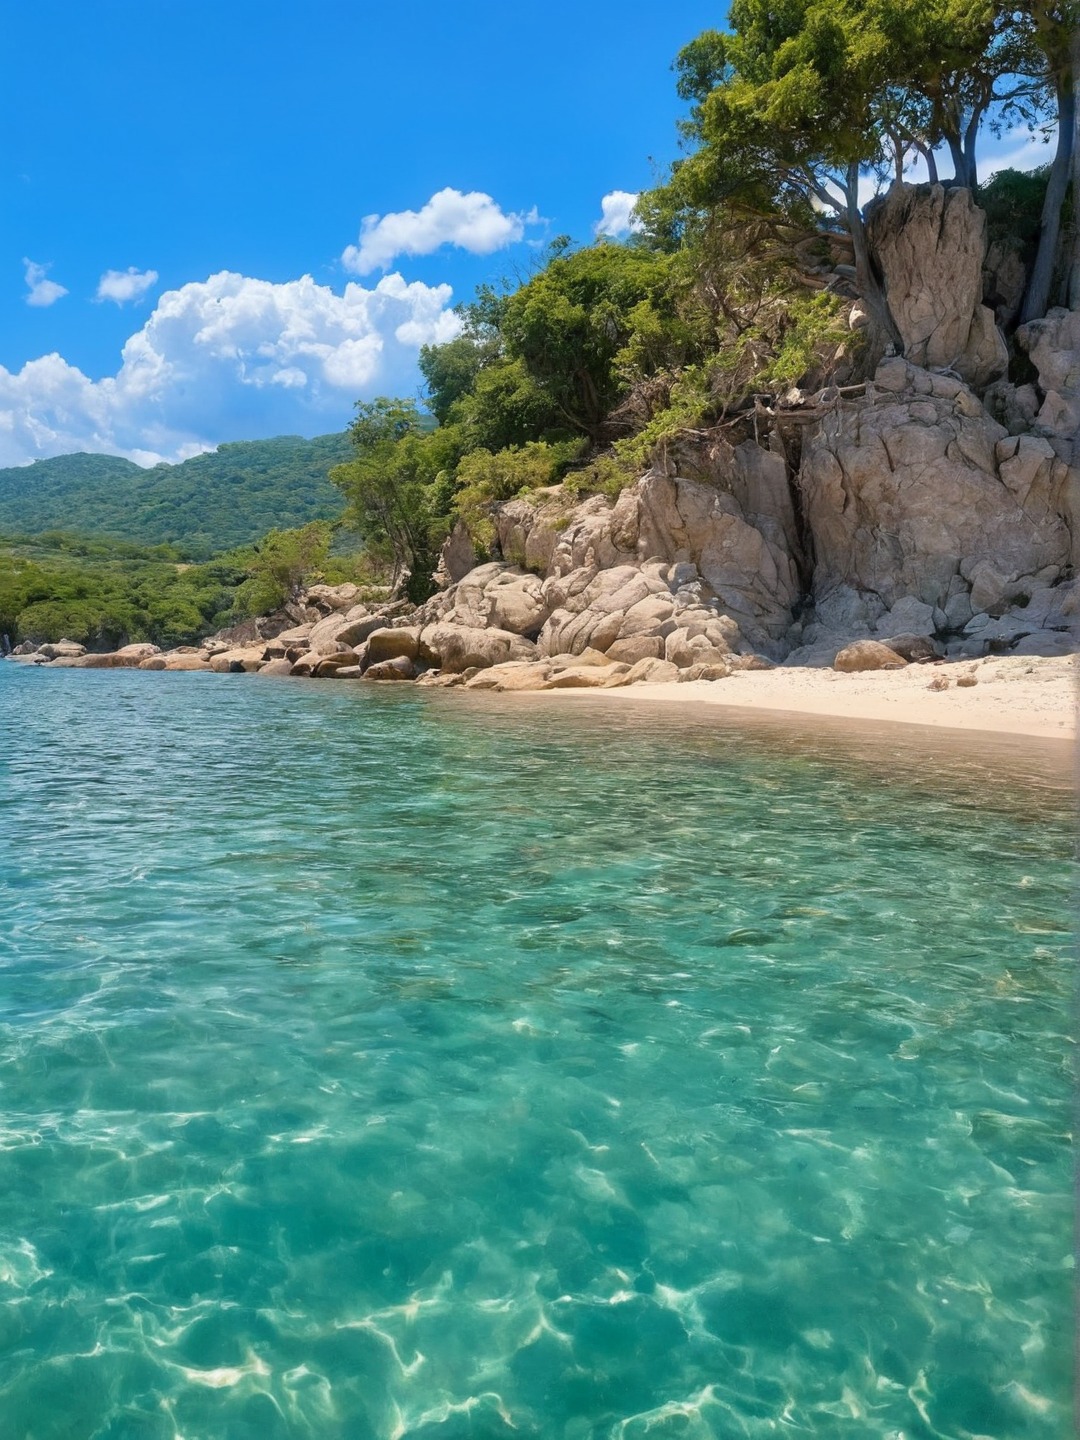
[42, 291]
[226, 358]
[617, 214]
[474, 222]
[124, 285]
[1017, 149]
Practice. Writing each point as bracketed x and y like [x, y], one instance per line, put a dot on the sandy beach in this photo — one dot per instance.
[1012, 695]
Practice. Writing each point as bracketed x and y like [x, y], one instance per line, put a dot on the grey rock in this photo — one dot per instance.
[398, 668]
[901, 504]
[930, 243]
[915, 649]
[907, 617]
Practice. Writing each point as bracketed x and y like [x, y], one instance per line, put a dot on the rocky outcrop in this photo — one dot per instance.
[128, 657]
[1053, 346]
[930, 244]
[734, 527]
[924, 511]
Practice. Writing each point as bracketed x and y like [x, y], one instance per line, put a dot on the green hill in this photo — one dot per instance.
[210, 503]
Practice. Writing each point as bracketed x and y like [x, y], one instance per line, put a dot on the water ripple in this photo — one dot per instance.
[387, 1065]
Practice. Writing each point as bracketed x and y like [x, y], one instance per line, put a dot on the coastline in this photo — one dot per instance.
[1021, 696]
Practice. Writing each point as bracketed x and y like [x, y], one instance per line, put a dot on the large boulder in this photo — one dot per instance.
[330, 598]
[516, 675]
[917, 492]
[244, 659]
[129, 657]
[338, 630]
[319, 664]
[585, 677]
[496, 595]
[461, 647]
[62, 650]
[868, 655]
[400, 667]
[648, 672]
[930, 243]
[401, 641]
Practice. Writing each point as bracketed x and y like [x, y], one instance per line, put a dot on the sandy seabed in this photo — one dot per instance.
[1012, 695]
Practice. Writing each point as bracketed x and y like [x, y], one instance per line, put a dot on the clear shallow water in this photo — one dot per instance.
[381, 1064]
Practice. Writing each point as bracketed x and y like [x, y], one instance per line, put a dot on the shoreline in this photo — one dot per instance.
[1026, 697]
[1023, 697]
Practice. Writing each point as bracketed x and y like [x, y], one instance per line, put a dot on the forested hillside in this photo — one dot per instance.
[104, 593]
[210, 503]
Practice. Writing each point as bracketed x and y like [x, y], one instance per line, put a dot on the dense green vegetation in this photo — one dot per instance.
[106, 593]
[207, 504]
[718, 302]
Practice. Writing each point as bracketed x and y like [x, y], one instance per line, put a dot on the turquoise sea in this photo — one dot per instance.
[376, 1063]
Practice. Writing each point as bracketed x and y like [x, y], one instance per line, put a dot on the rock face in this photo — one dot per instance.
[930, 243]
[1053, 345]
[920, 498]
[734, 532]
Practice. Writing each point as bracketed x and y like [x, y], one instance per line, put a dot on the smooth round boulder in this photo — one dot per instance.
[398, 668]
[867, 655]
[392, 643]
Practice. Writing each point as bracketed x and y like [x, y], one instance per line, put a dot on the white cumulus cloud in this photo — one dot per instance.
[473, 222]
[224, 359]
[1017, 149]
[41, 290]
[122, 286]
[617, 214]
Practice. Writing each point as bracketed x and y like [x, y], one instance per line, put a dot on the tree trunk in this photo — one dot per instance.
[956, 150]
[1037, 299]
[971, 135]
[1073, 290]
[866, 280]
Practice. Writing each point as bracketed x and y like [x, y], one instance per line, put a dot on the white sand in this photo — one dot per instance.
[1013, 695]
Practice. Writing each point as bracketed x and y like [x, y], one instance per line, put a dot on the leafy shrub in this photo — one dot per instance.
[606, 475]
[486, 478]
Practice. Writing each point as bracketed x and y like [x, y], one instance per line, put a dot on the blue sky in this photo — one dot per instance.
[176, 167]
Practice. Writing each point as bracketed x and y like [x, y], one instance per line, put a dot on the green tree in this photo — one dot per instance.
[282, 559]
[568, 325]
[450, 370]
[796, 106]
[390, 487]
